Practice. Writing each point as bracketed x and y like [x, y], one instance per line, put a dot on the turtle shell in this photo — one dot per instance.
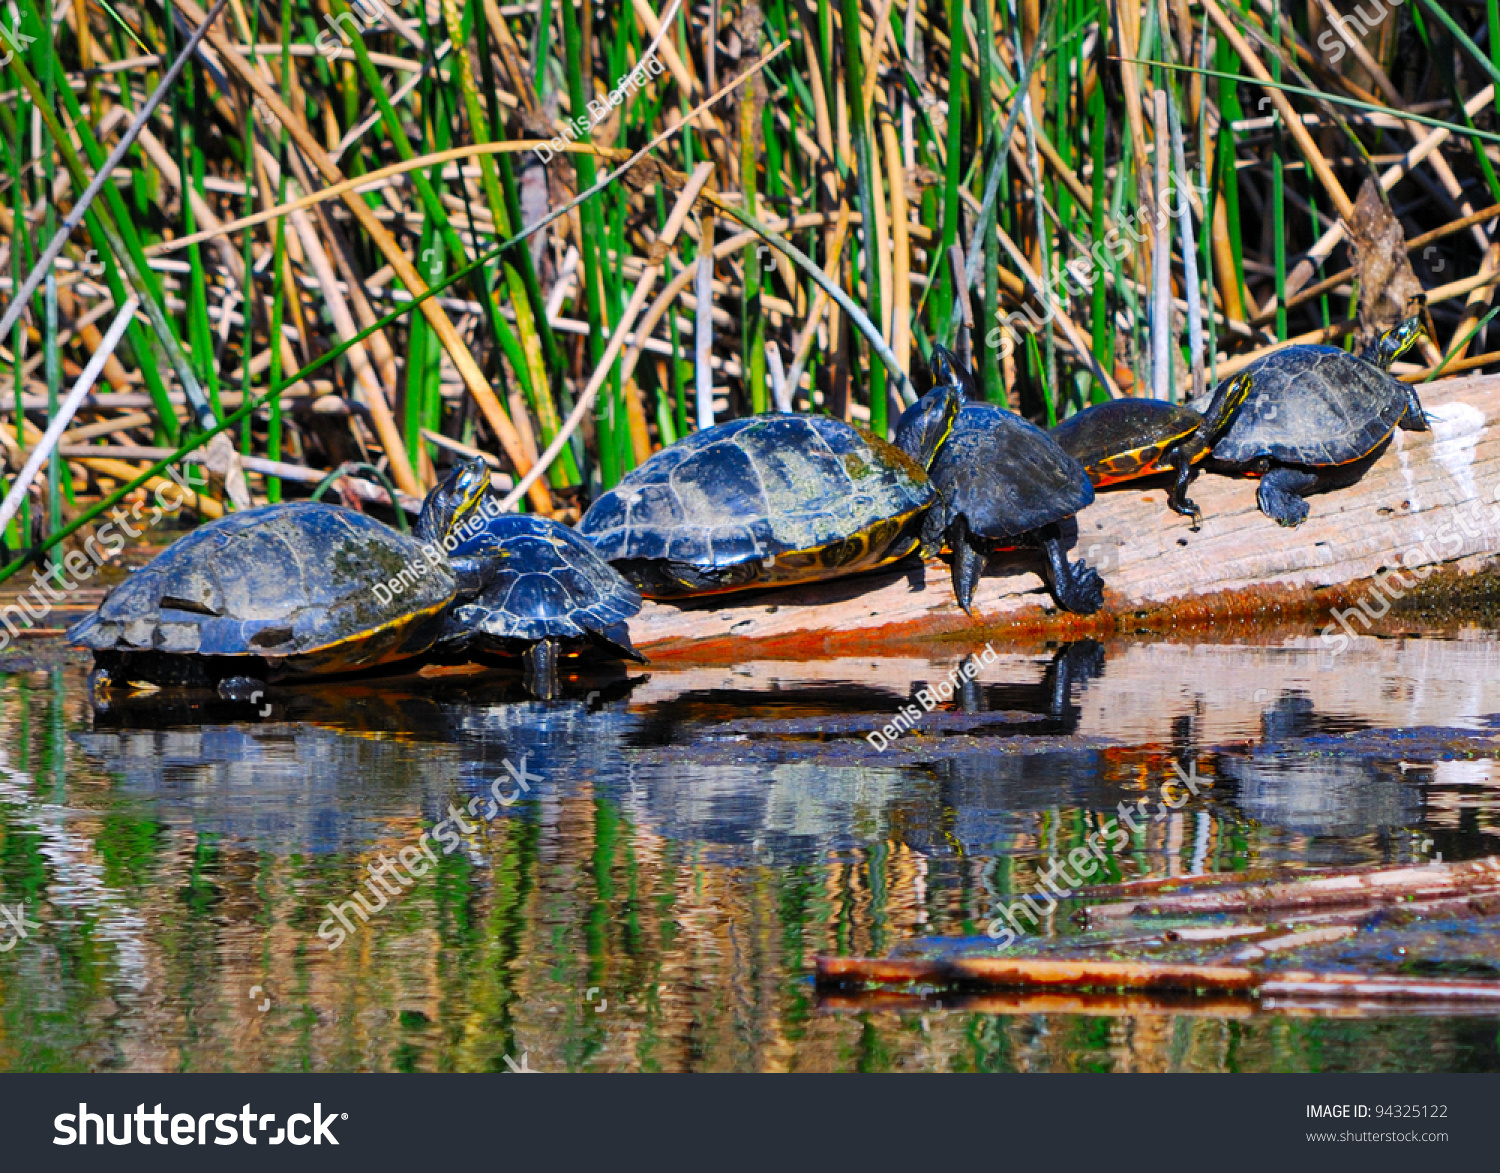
[1124, 438]
[775, 498]
[1005, 476]
[1316, 406]
[548, 583]
[310, 588]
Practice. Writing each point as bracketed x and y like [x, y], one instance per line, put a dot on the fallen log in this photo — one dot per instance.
[1305, 1001]
[1362, 890]
[1022, 1003]
[1437, 487]
[1023, 973]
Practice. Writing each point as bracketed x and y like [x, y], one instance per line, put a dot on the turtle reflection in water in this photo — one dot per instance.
[1282, 785]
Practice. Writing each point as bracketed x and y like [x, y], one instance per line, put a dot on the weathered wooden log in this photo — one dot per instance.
[1031, 972]
[1024, 1002]
[1359, 889]
[1427, 499]
[1018, 973]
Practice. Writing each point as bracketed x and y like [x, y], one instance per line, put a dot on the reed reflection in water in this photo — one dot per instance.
[694, 840]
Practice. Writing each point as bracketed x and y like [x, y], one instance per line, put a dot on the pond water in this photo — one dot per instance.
[688, 840]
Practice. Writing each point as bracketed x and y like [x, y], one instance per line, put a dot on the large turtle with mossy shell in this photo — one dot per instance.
[1126, 439]
[769, 500]
[286, 590]
[547, 594]
[1315, 411]
[1004, 483]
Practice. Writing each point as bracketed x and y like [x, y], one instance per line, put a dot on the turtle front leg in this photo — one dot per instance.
[540, 661]
[1281, 494]
[1076, 586]
[1177, 499]
[968, 562]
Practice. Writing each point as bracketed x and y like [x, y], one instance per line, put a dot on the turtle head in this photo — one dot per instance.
[1227, 401]
[1395, 342]
[454, 501]
[948, 371]
[925, 426]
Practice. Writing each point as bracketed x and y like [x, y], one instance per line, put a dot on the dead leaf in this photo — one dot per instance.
[1386, 281]
[223, 463]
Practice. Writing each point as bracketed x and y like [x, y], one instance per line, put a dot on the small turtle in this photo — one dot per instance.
[770, 499]
[1314, 410]
[293, 589]
[1125, 439]
[1004, 484]
[547, 592]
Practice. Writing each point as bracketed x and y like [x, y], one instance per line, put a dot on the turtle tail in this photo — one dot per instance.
[616, 638]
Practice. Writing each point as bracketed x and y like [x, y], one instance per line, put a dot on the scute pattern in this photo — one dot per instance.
[550, 584]
[278, 581]
[1123, 438]
[1005, 476]
[728, 500]
[1313, 405]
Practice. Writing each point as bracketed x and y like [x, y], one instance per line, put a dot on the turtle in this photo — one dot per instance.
[1125, 439]
[1004, 483]
[546, 592]
[1313, 412]
[770, 499]
[296, 589]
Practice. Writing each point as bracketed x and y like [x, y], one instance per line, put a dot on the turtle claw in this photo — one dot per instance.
[1280, 495]
[1083, 592]
[1187, 509]
[1076, 586]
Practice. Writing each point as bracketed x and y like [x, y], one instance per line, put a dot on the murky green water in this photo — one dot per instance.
[689, 841]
